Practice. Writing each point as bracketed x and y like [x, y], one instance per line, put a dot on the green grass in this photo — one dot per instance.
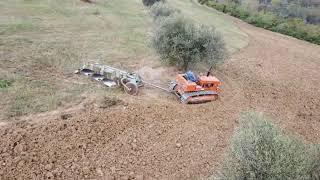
[41, 96]
[43, 42]
[16, 27]
[4, 83]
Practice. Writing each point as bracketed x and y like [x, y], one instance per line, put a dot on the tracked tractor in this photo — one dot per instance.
[193, 89]
[189, 87]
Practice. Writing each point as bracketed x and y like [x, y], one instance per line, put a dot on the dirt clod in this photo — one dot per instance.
[107, 102]
[48, 167]
[65, 116]
[49, 175]
[99, 172]
[19, 148]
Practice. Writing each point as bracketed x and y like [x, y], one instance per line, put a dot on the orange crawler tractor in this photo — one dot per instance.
[191, 88]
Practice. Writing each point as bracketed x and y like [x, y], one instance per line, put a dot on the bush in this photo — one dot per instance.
[279, 19]
[4, 83]
[218, 6]
[181, 43]
[203, 1]
[239, 12]
[150, 2]
[231, 8]
[297, 29]
[259, 150]
[161, 9]
[264, 20]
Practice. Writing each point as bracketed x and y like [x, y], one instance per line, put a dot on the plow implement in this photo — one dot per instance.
[188, 87]
[112, 77]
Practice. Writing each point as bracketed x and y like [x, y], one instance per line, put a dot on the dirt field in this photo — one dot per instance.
[152, 136]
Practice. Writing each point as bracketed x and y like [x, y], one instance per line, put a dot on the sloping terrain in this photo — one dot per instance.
[43, 42]
[235, 39]
[152, 136]
[284, 72]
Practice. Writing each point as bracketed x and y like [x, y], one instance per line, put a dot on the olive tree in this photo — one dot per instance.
[182, 43]
[260, 150]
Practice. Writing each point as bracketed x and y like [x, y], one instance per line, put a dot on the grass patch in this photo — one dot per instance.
[17, 27]
[43, 42]
[35, 96]
[4, 83]
[41, 61]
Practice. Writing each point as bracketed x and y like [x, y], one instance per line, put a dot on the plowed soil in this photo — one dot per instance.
[154, 137]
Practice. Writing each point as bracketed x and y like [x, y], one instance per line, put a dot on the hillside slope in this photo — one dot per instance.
[43, 42]
[152, 135]
[235, 38]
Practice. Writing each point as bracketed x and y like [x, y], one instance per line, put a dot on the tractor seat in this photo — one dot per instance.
[190, 76]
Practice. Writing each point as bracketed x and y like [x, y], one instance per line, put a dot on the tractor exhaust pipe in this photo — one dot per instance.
[209, 71]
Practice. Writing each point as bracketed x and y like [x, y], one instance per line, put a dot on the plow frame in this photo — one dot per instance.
[129, 80]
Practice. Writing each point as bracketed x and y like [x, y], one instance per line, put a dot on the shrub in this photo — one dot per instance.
[264, 20]
[180, 42]
[203, 1]
[218, 6]
[279, 19]
[150, 2]
[297, 28]
[231, 8]
[161, 9]
[259, 150]
[240, 12]
[4, 83]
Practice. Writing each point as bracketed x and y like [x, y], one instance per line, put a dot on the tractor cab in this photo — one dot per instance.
[191, 88]
[190, 82]
[203, 82]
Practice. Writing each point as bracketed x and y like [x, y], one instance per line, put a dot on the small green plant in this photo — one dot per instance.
[96, 12]
[4, 83]
[260, 150]
[150, 2]
[182, 43]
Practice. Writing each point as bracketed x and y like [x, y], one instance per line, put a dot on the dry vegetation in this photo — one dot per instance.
[150, 135]
[43, 42]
